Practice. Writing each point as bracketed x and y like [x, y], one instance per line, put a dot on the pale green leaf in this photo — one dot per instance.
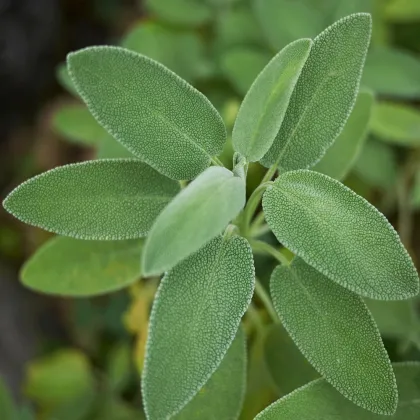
[396, 123]
[241, 65]
[324, 95]
[392, 72]
[288, 367]
[7, 406]
[74, 267]
[195, 316]
[340, 234]
[180, 12]
[320, 401]
[223, 394]
[334, 330]
[265, 105]
[402, 10]
[77, 124]
[158, 116]
[195, 216]
[283, 21]
[102, 199]
[109, 148]
[340, 157]
[64, 79]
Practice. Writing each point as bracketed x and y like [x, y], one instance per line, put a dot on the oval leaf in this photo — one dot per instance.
[340, 234]
[264, 107]
[198, 214]
[340, 157]
[197, 311]
[319, 400]
[158, 116]
[334, 330]
[324, 95]
[102, 199]
[223, 394]
[73, 267]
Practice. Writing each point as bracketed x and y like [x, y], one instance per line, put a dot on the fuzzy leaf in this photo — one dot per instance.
[198, 214]
[197, 311]
[340, 234]
[340, 157]
[73, 267]
[102, 199]
[319, 400]
[334, 330]
[76, 123]
[396, 123]
[324, 95]
[392, 72]
[223, 394]
[265, 105]
[158, 116]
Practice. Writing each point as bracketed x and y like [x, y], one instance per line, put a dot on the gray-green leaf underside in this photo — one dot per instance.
[195, 316]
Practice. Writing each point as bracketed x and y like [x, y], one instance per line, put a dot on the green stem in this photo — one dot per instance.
[255, 317]
[266, 300]
[252, 205]
[270, 173]
[216, 161]
[265, 248]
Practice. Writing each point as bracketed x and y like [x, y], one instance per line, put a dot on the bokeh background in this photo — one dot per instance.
[80, 359]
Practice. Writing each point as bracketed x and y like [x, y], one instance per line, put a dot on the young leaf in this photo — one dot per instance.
[396, 123]
[7, 406]
[324, 95]
[158, 116]
[340, 157]
[195, 316]
[73, 267]
[102, 199]
[264, 107]
[76, 123]
[340, 234]
[198, 214]
[223, 394]
[334, 330]
[319, 400]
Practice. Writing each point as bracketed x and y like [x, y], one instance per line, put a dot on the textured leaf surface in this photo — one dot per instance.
[395, 123]
[73, 267]
[264, 107]
[392, 72]
[158, 116]
[197, 311]
[7, 407]
[288, 367]
[76, 123]
[102, 199]
[340, 234]
[335, 331]
[319, 400]
[340, 157]
[222, 396]
[324, 95]
[198, 214]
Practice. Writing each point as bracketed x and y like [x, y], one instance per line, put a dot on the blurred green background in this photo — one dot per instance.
[80, 359]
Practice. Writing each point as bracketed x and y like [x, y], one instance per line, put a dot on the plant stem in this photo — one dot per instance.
[266, 300]
[216, 161]
[252, 205]
[264, 247]
[255, 317]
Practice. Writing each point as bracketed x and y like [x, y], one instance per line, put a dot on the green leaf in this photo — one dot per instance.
[319, 400]
[241, 65]
[223, 394]
[7, 405]
[196, 215]
[283, 21]
[396, 123]
[180, 12]
[73, 267]
[334, 330]
[264, 107]
[288, 367]
[76, 123]
[324, 95]
[402, 10]
[340, 234]
[182, 52]
[109, 148]
[155, 114]
[340, 157]
[392, 72]
[102, 199]
[197, 311]
[64, 79]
